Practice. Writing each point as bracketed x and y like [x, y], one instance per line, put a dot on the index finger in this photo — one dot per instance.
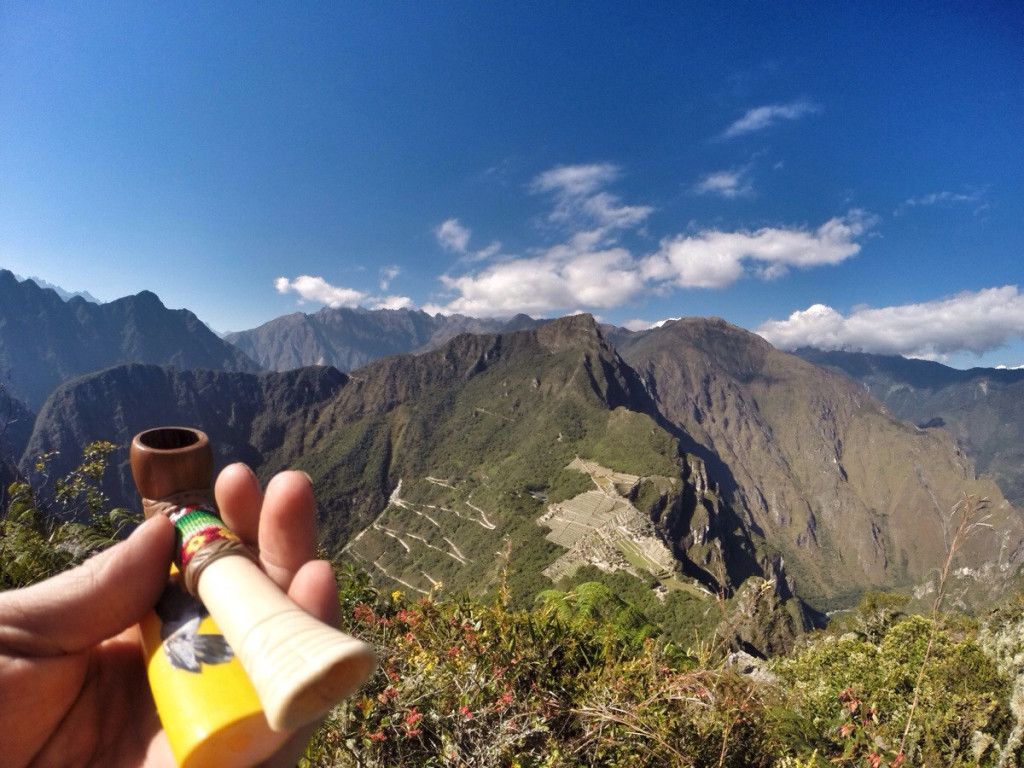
[100, 598]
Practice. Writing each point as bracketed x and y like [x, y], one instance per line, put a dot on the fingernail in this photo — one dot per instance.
[248, 470]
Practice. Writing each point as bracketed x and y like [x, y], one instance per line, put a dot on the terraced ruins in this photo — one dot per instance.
[602, 528]
[433, 531]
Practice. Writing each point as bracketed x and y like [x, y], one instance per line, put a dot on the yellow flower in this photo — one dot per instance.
[396, 595]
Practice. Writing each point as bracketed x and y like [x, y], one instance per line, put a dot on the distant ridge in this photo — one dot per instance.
[247, 416]
[66, 295]
[45, 340]
[350, 338]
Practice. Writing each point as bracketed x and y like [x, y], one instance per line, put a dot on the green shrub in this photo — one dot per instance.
[461, 683]
[857, 695]
[40, 532]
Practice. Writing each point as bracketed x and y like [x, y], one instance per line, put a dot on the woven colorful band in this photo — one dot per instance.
[194, 529]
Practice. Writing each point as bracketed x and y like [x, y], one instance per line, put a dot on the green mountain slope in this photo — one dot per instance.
[449, 461]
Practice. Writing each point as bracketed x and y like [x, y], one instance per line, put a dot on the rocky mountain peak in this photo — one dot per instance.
[571, 331]
[45, 341]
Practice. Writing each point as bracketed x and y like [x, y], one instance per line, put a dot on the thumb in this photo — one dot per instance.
[100, 598]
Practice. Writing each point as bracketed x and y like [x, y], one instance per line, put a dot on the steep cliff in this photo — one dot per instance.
[982, 408]
[851, 497]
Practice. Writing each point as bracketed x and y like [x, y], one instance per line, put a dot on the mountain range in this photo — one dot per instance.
[45, 340]
[682, 466]
[350, 338]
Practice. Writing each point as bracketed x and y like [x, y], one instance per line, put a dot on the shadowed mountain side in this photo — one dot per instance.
[259, 419]
[852, 498]
[45, 341]
[15, 430]
[983, 408]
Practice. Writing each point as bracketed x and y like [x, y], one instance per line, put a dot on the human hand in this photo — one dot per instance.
[73, 686]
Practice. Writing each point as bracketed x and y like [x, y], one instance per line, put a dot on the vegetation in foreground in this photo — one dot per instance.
[581, 679]
[465, 683]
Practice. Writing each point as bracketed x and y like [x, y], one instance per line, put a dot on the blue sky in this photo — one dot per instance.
[843, 175]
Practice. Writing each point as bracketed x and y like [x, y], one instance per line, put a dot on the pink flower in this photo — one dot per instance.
[363, 613]
[465, 711]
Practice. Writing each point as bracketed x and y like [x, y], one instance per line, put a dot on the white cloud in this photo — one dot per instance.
[581, 203]
[559, 280]
[975, 322]
[934, 198]
[575, 180]
[589, 268]
[761, 118]
[387, 274]
[393, 302]
[452, 236]
[946, 199]
[645, 325]
[728, 184]
[485, 254]
[716, 259]
[317, 289]
[587, 272]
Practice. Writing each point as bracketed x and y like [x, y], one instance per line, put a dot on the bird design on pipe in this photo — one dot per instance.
[180, 615]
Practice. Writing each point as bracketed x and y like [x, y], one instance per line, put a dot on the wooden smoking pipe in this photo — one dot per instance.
[299, 666]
